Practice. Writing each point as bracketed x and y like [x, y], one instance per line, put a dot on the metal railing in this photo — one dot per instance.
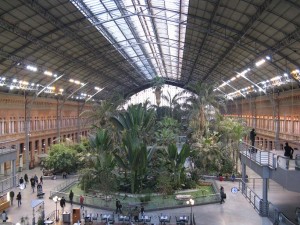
[250, 195]
[266, 158]
[8, 183]
[69, 182]
[157, 202]
[274, 214]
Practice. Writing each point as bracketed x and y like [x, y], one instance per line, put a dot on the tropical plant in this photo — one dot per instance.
[208, 151]
[200, 104]
[62, 158]
[175, 162]
[232, 130]
[133, 157]
[173, 102]
[137, 120]
[167, 131]
[158, 83]
[99, 163]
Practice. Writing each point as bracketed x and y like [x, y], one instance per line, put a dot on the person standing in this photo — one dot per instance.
[135, 214]
[142, 210]
[19, 198]
[41, 179]
[81, 199]
[118, 209]
[4, 216]
[222, 195]
[252, 138]
[288, 153]
[71, 195]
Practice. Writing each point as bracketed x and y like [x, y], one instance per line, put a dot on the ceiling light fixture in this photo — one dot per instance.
[31, 68]
[260, 62]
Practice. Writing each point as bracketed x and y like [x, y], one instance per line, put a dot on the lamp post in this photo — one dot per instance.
[191, 202]
[56, 200]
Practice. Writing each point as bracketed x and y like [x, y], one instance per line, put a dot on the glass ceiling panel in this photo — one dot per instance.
[149, 34]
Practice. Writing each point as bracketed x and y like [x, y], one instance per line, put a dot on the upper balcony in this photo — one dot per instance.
[273, 165]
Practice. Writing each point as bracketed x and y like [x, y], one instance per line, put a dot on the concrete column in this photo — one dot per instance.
[243, 177]
[264, 204]
[13, 172]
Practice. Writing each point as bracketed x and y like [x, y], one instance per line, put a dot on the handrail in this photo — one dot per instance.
[8, 183]
[106, 202]
[267, 158]
[276, 216]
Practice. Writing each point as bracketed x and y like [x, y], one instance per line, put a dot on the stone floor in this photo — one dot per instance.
[235, 211]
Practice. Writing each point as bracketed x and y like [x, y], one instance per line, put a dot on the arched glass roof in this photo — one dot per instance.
[85, 49]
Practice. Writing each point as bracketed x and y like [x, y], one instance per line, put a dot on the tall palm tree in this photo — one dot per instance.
[173, 102]
[233, 130]
[199, 104]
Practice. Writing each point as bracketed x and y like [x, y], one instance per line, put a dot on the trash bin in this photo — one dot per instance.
[66, 217]
[20, 169]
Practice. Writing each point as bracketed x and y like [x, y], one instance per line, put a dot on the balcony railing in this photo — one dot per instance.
[270, 159]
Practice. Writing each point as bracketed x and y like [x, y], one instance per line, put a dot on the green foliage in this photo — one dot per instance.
[164, 184]
[175, 162]
[99, 164]
[61, 158]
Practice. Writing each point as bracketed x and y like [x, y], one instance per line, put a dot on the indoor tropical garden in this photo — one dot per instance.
[152, 154]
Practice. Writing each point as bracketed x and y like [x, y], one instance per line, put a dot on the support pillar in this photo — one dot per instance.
[264, 204]
[13, 172]
[244, 178]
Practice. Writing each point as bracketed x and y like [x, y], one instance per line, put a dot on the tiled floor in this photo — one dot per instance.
[235, 211]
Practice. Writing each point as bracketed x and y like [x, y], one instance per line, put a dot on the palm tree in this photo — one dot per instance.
[98, 162]
[133, 157]
[173, 102]
[233, 130]
[137, 119]
[135, 126]
[200, 104]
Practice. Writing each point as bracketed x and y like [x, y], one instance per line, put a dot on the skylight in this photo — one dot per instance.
[149, 34]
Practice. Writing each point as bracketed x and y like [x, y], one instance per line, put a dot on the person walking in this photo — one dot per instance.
[41, 179]
[32, 183]
[12, 195]
[81, 199]
[222, 195]
[36, 179]
[19, 198]
[252, 138]
[21, 183]
[71, 195]
[62, 203]
[4, 216]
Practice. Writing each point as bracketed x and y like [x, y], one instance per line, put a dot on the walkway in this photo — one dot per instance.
[235, 210]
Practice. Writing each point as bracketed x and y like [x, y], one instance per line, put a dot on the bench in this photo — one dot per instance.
[183, 197]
